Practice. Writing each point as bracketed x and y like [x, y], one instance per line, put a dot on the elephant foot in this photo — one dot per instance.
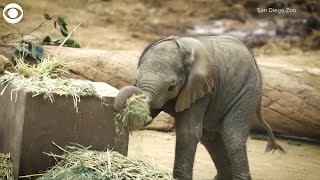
[220, 177]
[217, 177]
[182, 178]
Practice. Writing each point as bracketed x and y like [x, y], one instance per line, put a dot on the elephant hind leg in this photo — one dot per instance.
[234, 132]
[239, 163]
[214, 144]
[235, 129]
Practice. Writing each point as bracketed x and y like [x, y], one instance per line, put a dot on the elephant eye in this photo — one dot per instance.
[171, 88]
[135, 83]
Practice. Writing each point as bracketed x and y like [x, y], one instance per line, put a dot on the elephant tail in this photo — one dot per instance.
[272, 144]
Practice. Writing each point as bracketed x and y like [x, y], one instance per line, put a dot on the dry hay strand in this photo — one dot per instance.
[46, 78]
[135, 115]
[6, 169]
[52, 67]
[80, 163]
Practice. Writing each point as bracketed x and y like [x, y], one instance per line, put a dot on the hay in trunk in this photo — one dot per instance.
[6, 169]
[81, 163]
[135, 115]
[46, 78]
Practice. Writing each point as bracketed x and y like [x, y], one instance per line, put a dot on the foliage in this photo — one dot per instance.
[64, 31]
[28, 49]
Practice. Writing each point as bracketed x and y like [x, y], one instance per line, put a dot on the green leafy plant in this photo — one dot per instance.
[59, 21]
[27, 49]
[30, 49]
[69, 43]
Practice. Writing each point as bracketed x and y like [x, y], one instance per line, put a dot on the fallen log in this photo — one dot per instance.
[115, 68]
[291, 99]
[291, 90]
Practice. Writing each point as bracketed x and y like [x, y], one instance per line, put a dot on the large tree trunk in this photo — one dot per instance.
[291, 89]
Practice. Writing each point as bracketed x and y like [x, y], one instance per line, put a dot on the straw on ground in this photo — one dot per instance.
[6, 169]
[80, 163]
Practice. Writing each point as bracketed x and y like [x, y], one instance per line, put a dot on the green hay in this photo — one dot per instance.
[6, 169]
[81, 163]
[47, 79]
[136, 113]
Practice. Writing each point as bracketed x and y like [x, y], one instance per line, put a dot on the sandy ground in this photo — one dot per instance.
[299, 163]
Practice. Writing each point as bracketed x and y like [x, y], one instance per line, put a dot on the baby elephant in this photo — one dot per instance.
[212, 86]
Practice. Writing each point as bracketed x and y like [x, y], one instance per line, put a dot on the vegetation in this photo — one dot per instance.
[30, 49]
[136, 113]
[80, 163]
[6, 169]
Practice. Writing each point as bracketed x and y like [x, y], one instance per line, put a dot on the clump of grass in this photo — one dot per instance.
[80, 163]
[46, 78]
[52, 67]
[6, 169]
[136, 113]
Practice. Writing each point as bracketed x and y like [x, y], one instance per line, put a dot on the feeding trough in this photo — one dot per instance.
[31, 119]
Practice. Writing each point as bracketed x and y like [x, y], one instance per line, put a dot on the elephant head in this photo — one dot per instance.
[180, 69]
[169, 69]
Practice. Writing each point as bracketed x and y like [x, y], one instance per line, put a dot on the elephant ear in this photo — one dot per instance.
[201, 76]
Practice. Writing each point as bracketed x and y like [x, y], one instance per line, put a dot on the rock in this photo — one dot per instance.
[163, 122]
[5, 65]
[1, 67]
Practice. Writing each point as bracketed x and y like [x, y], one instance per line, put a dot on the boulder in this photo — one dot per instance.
[163, 122]
[5, 65]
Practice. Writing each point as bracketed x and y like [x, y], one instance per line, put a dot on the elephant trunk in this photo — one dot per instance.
[148, 88]
[123, 94]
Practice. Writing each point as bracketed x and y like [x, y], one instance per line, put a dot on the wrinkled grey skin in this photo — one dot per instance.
[212, 87]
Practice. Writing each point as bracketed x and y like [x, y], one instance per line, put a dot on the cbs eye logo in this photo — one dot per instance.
[13, 13]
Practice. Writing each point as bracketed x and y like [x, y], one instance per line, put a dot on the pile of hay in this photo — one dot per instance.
[6, 169]
[81, 163]
[135, 115]
[46, 78]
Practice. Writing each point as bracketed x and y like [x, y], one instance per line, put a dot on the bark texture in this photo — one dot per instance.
[291, 99]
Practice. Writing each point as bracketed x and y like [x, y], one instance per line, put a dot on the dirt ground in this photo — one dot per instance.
[120, 25]
[132, 24]
[301, 162]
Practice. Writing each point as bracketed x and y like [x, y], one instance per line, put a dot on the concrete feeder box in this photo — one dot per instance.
[29, 125]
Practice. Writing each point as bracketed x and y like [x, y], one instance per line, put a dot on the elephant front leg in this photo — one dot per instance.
[234, 132]
[188, 134]
[186, 145]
